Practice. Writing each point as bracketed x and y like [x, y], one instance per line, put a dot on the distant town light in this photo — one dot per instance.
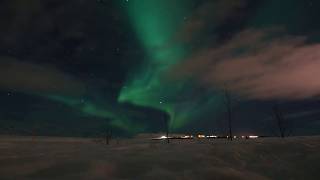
[186, 137]
[163, 137]
[212, 136]
[253, 137]
[201, 136]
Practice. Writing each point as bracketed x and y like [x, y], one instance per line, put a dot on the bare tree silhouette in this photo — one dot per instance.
[283, 127]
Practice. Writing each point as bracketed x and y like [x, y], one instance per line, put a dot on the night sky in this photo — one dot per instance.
[83, 67]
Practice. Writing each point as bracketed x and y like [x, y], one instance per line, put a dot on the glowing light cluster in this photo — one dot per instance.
[163, 137]
[201, 136]
[253, 137]
[212, 136]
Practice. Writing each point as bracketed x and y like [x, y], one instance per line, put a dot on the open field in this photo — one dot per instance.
[74, 158]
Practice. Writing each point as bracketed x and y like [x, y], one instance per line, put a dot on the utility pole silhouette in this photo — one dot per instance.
[108, 136]
[167, 128]
[229, 111]
[280, 120]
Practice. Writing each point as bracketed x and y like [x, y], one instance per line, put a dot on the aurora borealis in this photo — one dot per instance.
[156, 24]
[155, 30]
[132, 65]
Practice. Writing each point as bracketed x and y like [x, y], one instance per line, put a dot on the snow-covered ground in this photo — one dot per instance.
[70, 158]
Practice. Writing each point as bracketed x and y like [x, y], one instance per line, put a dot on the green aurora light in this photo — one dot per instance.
[117, 118]
[156, 24]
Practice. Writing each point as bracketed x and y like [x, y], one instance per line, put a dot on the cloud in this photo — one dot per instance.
[214, 12]
[26, 77]
[258, 64]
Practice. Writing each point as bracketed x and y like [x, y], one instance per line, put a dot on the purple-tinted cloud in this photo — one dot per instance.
[31, 78]
[256, 64]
